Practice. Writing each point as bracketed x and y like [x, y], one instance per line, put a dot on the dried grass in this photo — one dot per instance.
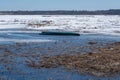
[40, 24]
[104, 63]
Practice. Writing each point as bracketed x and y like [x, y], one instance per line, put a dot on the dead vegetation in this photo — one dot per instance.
[104, 63]
[116, 31]
[92, 43]
[39, 24]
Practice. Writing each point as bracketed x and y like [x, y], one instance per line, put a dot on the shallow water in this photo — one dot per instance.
[52, 46]
[44, 44]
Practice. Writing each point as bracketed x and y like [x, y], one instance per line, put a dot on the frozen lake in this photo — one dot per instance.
[103, 24]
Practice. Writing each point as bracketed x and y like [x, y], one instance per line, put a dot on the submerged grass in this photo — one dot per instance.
[104, 63]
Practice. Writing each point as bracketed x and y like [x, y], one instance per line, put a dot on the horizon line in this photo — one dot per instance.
[63, 10]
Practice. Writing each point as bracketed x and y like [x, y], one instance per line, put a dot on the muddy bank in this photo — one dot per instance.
[104, 63]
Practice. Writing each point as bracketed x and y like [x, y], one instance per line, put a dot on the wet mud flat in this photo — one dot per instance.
[67, 58]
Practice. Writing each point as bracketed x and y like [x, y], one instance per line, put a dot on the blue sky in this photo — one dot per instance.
[59, 4]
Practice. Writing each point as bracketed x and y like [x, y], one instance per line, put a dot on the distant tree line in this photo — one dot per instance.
[63, 12]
